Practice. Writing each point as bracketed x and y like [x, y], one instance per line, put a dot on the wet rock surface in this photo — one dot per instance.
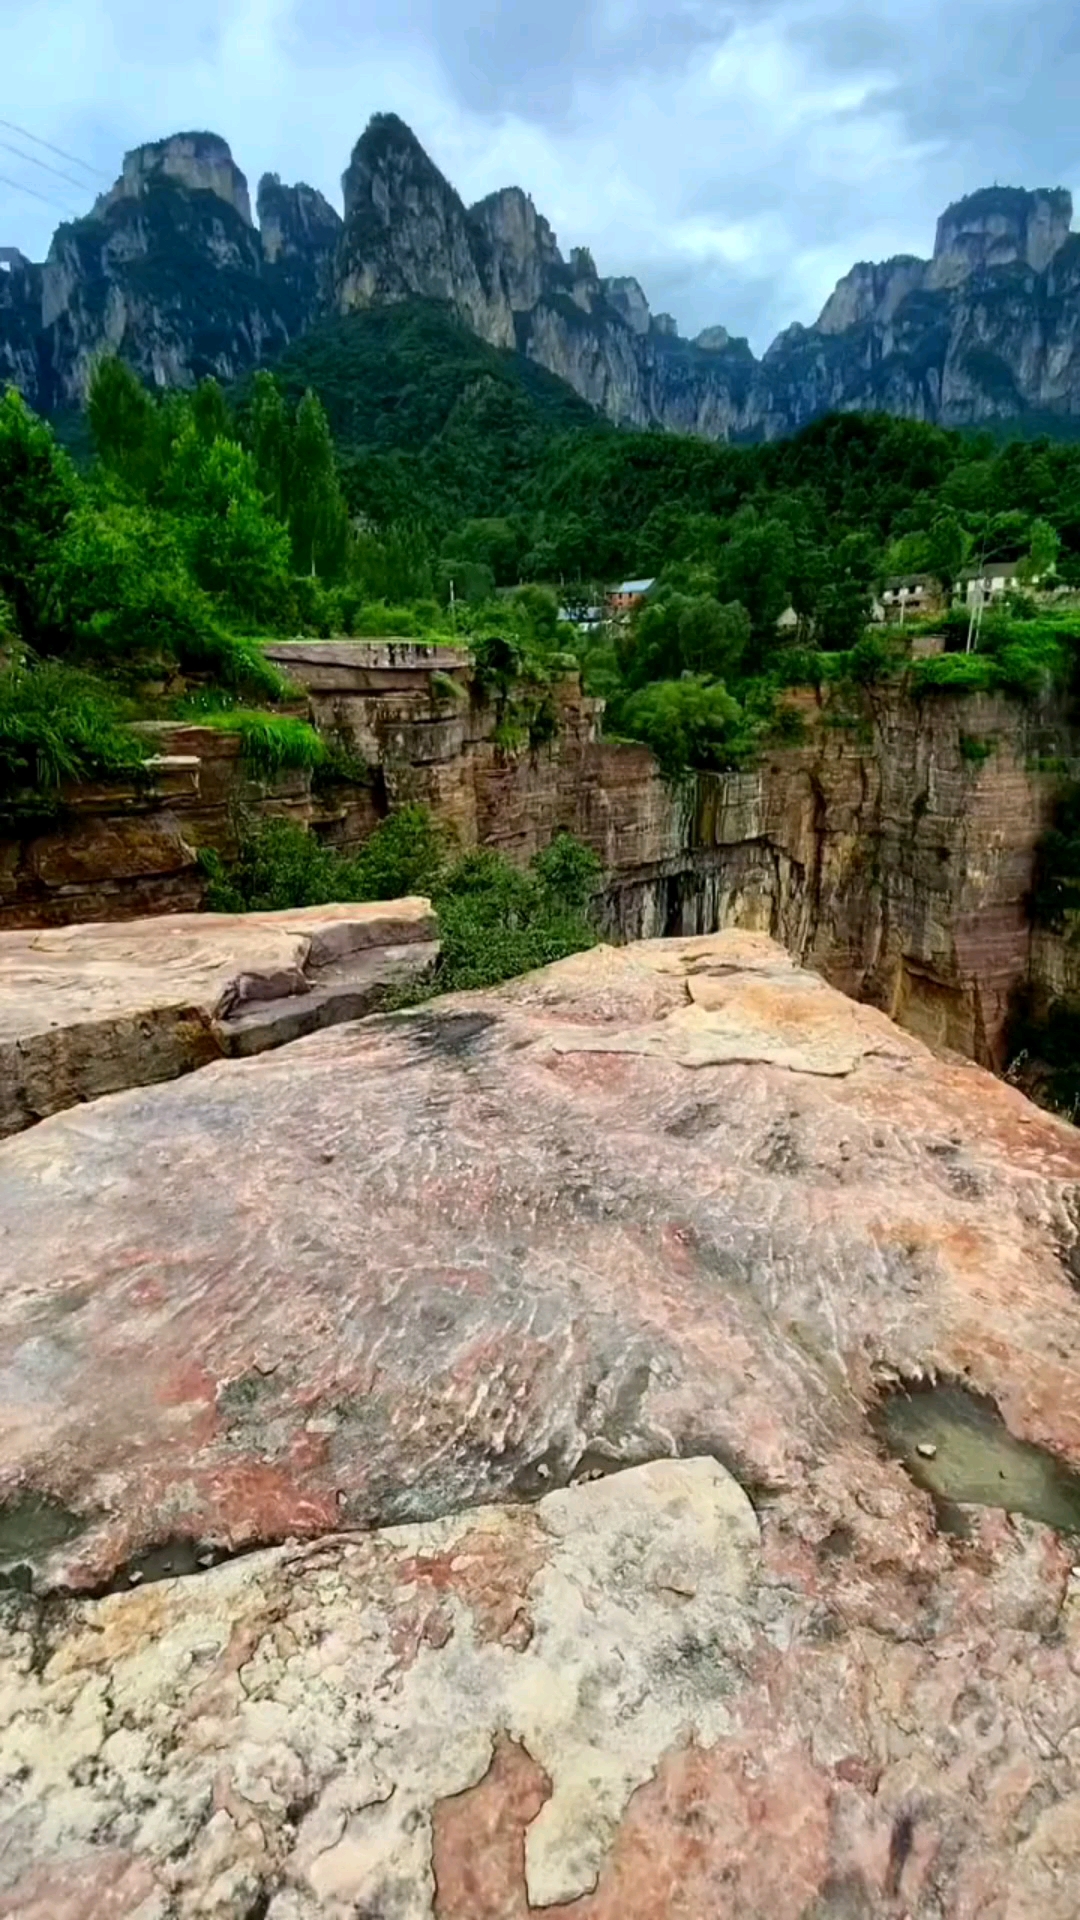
[89, 1010]
[676, 1216]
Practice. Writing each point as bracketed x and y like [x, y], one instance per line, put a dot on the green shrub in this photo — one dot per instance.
[279, 865]
[955, 672]
[406, 854]
[495, 921]
[688, 723]
[56, 724]
[975, 750]
[445, 690]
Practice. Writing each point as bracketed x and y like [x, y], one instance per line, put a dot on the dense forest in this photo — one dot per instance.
[395, 474]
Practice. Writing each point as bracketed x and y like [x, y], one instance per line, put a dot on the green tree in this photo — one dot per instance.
[38, 493]
[492, 543]
[210, 413]
[318, 519]
[1042, 553]
[688, 723]
[755, 567]
[268, 435]
[713, 639]
[946, 547]
[235, 547]
[121, 593]
[126, 425]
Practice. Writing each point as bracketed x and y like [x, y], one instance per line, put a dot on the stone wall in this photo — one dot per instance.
[885, 852]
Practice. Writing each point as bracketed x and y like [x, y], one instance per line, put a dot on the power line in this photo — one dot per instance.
[60, 152]
[35, 162]
[34, 195]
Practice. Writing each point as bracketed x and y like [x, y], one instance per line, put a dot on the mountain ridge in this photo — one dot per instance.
[171, 270]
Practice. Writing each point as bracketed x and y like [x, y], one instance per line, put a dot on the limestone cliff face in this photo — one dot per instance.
[407, 232]
[20, 324]
[170, 271]
[522, 242]
[300, 232]
[987, 329]
[201, 162]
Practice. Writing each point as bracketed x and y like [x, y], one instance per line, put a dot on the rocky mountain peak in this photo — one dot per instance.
[523, 242]
[871, 291]
[1000, 227]
[407, 233]
[292, 220]
[201, 162]
[627, 297]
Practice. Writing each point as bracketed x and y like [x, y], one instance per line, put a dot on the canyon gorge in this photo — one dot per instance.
[880, 848]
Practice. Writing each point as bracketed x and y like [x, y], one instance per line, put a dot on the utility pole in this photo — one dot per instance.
[453, 607]
[975, 622]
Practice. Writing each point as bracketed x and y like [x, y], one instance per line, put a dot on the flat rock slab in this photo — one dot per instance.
[437, 1270]
[471, 1251]
[91, 1009]
[621, 1703]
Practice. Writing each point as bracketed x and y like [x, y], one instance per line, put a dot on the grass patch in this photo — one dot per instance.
[270, 743]
[57, 724]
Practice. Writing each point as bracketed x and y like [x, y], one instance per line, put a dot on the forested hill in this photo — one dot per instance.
[429, 421]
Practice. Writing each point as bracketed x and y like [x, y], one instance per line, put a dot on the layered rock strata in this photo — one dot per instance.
[89, 1010]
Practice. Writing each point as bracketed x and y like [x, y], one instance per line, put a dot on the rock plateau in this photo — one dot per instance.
[547, 1344]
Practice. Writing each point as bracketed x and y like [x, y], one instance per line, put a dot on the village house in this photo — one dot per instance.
[904, 594]
[992, 581]
[628, 595]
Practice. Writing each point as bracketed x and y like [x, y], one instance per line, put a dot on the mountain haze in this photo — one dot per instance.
[170, 270]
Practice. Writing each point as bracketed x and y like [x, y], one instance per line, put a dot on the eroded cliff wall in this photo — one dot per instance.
[893, 848]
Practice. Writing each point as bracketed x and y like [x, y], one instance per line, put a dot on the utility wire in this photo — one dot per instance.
[33, 160]
[34, 195]
[60, 152]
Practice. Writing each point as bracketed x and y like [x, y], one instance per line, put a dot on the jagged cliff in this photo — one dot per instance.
[170, 270]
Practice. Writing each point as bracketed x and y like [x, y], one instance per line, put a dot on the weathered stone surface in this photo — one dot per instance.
[89, 1010]
[476, 1246]
[410, 1269]
[633, 1701]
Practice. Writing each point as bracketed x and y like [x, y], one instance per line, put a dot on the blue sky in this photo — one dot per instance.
[737, 157]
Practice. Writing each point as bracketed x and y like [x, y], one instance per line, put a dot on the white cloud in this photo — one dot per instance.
[736, 158]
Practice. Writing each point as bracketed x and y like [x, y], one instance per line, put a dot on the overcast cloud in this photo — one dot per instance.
[736, 155]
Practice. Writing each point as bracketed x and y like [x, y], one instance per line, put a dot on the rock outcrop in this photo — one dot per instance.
[90, 1010]
[169, 271]
[612, 1295]
[200, 162]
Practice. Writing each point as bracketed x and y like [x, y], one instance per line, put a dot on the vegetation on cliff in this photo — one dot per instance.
[494, 920]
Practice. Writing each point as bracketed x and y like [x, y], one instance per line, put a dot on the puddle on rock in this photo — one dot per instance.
[956, 1446]
[31, 1525]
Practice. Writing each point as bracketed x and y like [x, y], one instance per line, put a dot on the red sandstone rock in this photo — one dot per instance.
[89, 1010]
[443, 1258]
